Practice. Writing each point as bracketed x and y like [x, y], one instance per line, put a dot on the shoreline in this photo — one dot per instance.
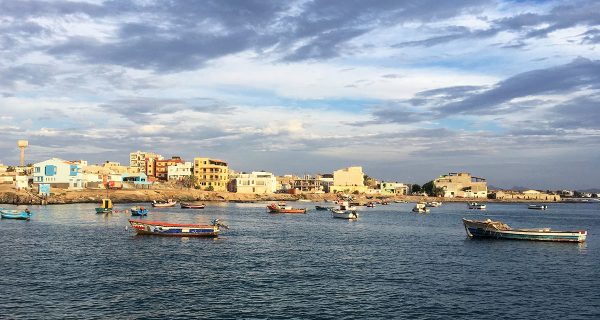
[23, 197]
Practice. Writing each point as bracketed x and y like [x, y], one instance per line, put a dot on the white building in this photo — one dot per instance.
[256, 182]
[58, 173]
[180, 171]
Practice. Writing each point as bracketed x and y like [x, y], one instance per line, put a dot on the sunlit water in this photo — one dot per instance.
[68, 262]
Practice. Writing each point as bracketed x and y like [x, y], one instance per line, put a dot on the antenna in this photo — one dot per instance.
[22, 145]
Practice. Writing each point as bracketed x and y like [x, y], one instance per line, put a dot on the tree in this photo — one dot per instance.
[210, 188]
[190, 181]
[415, 188]
[432, 190]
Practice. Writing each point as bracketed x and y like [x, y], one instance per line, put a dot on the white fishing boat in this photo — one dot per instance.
[476, 206]
[344, 211]
[433, 204]
[420, 207]
[537, 206]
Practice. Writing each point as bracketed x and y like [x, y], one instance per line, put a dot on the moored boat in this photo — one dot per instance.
[139, 211]
[420, 207]
[499, 230]
[370, 204]
[15, 214]
[537, 206]
[161, 228]
[275, 208]
[164, 204]
[476, 206]
[106, 206]
[433, 204]
[322, 208]
[344, 211]
[192, 206]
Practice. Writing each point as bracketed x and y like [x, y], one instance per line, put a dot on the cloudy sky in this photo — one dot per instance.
[506, 90]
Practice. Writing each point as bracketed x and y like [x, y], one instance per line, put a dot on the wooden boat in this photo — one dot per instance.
[499, 230]
[15, 214]
[401, 201]
[433, 204]
[139, 211]
[420, 207]
[164, 204]
[322, 208]
[537, 206]
[344, 211]
[275, 208]
[192, 206]
[106, 206]
[476, 206]
[160, 228]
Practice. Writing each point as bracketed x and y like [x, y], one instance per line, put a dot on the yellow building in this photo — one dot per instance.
[525, 195]
[462, 185]
[211, 173]
[349, 179]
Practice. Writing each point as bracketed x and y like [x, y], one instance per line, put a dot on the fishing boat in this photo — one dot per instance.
[177, 229]
[344, 211]
[139, 211]
[537, 206]
[15, 214]
[476, 206]
[322, 208]
[164, 204]
[276, 208]
[499, 230]
[420, 207]
[370, 205]
[192, 206]
[106, 206]
[401, 201]
[433, 204]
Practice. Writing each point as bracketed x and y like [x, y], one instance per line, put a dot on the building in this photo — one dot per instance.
[462, 185]
[308, 183]
[58, 173]
[395, 188]
[525, 195]
[161, 171]
[179, 171]
[349, 179]
[211, 174]
[116, 167]
[257, 182]
[141, 161]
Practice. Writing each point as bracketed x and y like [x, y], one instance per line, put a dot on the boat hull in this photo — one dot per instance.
[15, 215]
[192, 206]
[103, 210]
[139, 212]
[349, 215]
[476, 230]
[273, 208]
[173, 229]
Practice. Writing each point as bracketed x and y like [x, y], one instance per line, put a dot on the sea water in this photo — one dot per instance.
[69, 262]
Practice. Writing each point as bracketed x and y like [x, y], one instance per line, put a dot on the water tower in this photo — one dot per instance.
[22, 145]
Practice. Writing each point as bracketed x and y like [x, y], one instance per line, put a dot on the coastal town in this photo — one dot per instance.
[149, 175]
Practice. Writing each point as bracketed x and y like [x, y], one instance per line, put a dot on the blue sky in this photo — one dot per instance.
[506, 90]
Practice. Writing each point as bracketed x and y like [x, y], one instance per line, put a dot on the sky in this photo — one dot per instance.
[409, 90]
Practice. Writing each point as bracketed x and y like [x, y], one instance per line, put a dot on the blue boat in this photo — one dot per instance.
[499, 230]
[139, 211]
[15, 214]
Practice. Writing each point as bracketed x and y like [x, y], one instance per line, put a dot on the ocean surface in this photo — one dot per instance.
[69, 262]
